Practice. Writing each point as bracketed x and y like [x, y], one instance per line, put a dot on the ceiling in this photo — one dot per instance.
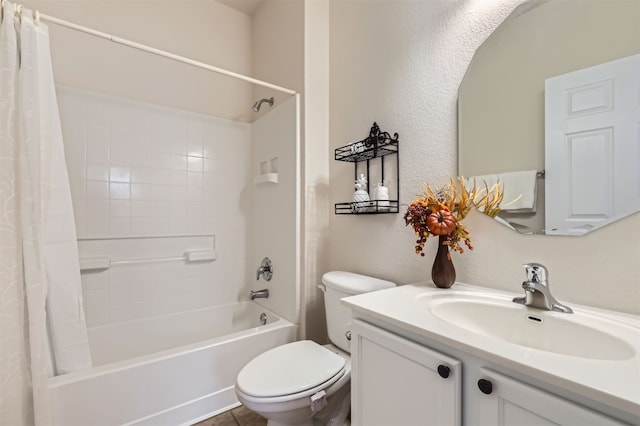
[245, 6]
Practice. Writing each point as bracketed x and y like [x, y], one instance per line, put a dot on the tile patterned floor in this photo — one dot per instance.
[240, 416]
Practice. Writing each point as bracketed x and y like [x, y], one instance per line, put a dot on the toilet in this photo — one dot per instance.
[304, 383]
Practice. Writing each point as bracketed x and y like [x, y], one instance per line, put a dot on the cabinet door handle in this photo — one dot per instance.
[443, 371]
[347, 334]
[486, 387]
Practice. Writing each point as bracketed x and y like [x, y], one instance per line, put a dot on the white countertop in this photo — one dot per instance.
[615, 383]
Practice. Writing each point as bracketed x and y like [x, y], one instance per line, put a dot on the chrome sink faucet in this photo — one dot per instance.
[537, 293]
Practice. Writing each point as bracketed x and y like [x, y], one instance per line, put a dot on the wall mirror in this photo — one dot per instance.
[557, 49]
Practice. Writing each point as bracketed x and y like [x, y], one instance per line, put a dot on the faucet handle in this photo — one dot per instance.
[536, 272]
[265, 269]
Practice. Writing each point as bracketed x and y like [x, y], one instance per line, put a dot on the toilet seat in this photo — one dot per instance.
[290, 371]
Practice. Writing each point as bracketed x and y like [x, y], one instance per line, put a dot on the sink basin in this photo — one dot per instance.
[578, 334]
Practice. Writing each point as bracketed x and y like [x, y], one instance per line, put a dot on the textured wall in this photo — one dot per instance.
[400, 64]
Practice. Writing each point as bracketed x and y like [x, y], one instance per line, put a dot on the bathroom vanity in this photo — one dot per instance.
[469, 355]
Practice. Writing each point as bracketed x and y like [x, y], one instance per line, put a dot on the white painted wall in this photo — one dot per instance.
[206, 31]
[291, 48]
[315, 191]
[400, 64]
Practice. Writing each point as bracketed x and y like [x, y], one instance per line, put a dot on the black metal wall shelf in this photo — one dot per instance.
[377, 145]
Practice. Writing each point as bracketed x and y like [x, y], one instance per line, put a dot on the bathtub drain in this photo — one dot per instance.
[263, 318]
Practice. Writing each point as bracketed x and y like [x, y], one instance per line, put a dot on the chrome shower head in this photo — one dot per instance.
[256, 106]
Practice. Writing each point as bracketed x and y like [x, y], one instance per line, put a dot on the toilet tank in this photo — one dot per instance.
[339, 284]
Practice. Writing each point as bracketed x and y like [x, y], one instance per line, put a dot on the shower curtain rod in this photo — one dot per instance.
[159, 52]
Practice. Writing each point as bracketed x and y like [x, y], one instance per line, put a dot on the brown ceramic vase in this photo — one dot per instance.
[443, 273]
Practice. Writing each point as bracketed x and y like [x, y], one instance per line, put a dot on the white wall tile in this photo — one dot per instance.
[81, 225]
[78, 188]
[97, 171]
[77, 170]
[95, 280]
[179, 177]
[119, 295]
[159, 192]
[120, 174]
[97, 110]
[97, 316]
[120, 208]
[97, 189]
[120, 276]
[96, 208]
[98, 297]
[140, 158]
[119, 313]
[141, 191]
[194, 178]
[73, 139]
[98, 226]
[120, 226]
[139, 169]
[161, 160]
[177, 210]
[177, 193]
[178, 225]
[178, 162]
[160, 208]
[208, 165]
[79, 207]
[140, 208]
[195, 164]
[140, 226]
[119, 191]
[97, 148]
[209, 148]
[194, 193]
[120, 154]
[179, 146]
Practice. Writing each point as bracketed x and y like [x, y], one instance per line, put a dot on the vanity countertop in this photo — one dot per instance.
[615, 383]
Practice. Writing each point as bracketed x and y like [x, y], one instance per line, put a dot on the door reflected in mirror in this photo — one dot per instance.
[588, 172]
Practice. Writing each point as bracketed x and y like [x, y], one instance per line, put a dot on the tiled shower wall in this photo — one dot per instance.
[154, 173]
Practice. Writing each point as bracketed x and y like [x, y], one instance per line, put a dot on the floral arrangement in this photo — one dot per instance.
[440, 212]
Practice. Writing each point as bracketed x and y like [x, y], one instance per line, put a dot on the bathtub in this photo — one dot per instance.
[168, 370]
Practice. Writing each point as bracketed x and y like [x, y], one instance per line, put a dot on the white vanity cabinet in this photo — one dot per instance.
[499, 400]
[395, 381]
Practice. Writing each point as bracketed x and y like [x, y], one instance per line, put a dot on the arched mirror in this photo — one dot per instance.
[547, 103]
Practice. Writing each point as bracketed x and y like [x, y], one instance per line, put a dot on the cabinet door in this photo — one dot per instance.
[503, 401]
[397, 382]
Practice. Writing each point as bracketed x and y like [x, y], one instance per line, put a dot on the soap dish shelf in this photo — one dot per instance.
[375, 146]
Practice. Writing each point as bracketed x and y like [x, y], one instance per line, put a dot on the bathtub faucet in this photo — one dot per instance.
[259, 294]
[265, 269]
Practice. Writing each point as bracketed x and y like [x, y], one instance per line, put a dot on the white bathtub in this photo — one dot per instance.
[167, 370]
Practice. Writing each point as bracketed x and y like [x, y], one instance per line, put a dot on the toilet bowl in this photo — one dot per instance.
[282, 383]
[304, 383]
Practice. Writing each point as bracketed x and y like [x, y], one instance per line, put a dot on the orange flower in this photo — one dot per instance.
[441, 212]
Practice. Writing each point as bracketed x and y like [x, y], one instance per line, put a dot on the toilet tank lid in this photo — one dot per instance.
[352, 283]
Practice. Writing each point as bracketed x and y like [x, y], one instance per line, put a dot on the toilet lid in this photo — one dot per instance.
[289, 369]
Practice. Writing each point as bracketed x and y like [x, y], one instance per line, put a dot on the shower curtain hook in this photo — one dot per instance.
[36, 17]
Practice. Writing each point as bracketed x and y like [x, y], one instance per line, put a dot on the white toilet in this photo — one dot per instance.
[304, 383]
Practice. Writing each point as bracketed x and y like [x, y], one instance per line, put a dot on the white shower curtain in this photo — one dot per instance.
[39, 273]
